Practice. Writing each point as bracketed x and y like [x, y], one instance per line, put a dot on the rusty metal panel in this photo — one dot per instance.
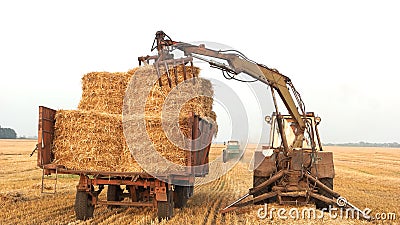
[45, 135]
[195, 135]
[210, 136]
[189, 159]
[85, 183]
[204, 131]
[201, 155]
[209, 129]
[266, 164]
[137, 204]
[297, 159]
[324, 165]
[161, 194]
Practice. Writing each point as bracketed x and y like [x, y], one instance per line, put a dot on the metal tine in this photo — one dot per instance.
[184, 70]
[176, 75]
[158, 74]
[168, 76]
[193, 74]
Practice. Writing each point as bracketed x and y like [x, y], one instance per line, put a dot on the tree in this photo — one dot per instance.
[7, 133]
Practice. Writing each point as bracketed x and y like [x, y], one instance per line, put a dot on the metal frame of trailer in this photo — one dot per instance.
[141, 189]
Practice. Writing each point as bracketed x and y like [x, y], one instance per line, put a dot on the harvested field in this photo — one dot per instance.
[367, 177]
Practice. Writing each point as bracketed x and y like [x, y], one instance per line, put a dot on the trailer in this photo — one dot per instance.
[141, 189]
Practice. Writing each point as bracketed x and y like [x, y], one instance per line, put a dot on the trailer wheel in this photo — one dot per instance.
[181, 196]
[165, 210]
[83, 206]
[329, 183]
[114, 193]
[257, 181]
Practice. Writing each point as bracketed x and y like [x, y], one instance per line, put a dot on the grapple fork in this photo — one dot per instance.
[165, 58]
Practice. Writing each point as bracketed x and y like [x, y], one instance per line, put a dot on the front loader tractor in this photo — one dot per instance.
[290, 178]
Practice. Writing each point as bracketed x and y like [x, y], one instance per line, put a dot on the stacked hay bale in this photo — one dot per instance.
[92, 138]
[104, 91]
[168, 105]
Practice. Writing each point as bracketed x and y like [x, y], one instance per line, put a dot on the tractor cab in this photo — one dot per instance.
[281, 173]
[289, 129]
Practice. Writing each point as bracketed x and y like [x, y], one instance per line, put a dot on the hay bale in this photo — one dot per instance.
[201, 91]
[145, 90]
[92, 138]
[88, 140]
[104, 91]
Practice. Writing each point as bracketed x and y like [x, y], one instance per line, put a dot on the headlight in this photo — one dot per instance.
[317, 120]
[268, 119]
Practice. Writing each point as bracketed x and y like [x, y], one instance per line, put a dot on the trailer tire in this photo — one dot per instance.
[329, 183]
[83, 206]
[257, 181]
[114, 193]
[181, 196]
[165, 210]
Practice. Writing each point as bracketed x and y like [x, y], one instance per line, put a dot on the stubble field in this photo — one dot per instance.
[367, 177]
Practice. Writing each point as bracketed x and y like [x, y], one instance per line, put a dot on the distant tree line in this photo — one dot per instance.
[367, 144]
[7, 133]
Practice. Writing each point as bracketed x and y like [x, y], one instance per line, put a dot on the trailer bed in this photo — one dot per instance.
[163, 191]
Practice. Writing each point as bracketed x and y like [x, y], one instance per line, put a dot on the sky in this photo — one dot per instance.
[342, 56]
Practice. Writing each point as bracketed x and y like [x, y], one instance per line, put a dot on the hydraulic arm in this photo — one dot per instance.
[237, 63]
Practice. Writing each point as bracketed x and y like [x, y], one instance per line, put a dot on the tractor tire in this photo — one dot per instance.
[191, 190]
[165, 210]
[83, 206]
[257, 181]
[329, 183]
[114, 193]
[181, 196]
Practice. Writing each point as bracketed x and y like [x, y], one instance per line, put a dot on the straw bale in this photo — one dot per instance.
[88, 140]
[92, 138]
[104, 91]
[201, 91]
[187, 97]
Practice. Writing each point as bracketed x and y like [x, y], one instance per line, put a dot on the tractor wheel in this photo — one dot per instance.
[83, 206]
[165, 210]
[181, 196]
[257, 181]
[329, 183]
[114, 193]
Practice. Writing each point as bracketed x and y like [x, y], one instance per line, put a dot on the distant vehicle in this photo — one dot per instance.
[231, 151]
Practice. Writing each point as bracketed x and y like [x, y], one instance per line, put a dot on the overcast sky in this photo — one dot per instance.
[342, 56]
